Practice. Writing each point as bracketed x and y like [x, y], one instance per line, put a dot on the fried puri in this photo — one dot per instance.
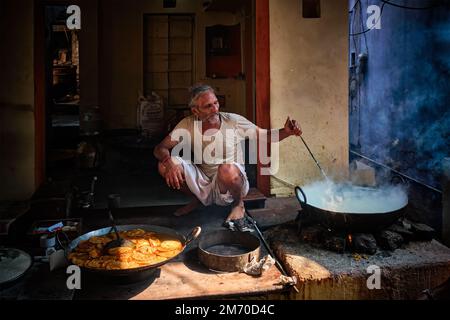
[147, 248]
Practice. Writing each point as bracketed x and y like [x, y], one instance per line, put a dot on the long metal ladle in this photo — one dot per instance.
[315, 160]
[114, 203]
[309, 150]
[336, 198]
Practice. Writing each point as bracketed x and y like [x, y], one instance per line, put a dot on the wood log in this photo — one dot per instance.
[335, 243]
[389, 240]
[364, 243]
[312, 234]
[401, 230]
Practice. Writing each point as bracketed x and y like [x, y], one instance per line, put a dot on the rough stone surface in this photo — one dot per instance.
[422, 231]
[322, 274]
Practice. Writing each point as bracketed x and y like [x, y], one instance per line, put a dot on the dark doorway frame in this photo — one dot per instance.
[40, 94]
[262, 81]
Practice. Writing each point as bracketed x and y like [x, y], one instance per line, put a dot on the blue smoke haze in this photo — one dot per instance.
[404, 96]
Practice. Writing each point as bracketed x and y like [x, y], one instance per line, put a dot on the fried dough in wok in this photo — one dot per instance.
[147, 248]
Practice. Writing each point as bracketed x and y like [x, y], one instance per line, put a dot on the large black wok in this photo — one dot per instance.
[134, 274]
[359, 221]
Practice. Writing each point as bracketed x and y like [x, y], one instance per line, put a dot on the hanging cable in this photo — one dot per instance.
[353, 17]
[362, 25]
[443, 3]
[365, 31]
[356, 3]
[412, 8]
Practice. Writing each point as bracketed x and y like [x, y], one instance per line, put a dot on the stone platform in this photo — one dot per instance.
[326, 275]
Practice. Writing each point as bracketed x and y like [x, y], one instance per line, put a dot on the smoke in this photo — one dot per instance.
[405, 94]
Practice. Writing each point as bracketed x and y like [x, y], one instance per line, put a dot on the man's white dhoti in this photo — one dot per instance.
[205, 188]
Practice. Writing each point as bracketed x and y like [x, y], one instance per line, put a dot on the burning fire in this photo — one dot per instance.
[350, 239]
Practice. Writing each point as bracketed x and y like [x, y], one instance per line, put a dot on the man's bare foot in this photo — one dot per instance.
[237, 212]
[191, 206]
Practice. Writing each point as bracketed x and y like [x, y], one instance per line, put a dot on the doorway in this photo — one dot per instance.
[62, 88]
[169, 61]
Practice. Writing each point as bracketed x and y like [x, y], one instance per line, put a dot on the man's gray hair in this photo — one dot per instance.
[198, 90]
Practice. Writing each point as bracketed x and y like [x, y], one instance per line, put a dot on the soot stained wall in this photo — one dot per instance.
[400, 103]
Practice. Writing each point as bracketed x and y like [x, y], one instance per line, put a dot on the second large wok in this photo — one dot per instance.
[367, 219]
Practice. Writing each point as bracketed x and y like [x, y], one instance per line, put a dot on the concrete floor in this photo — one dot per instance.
[137, 185]
[137, 190]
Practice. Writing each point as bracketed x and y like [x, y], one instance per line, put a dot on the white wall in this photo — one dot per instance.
[309, 82]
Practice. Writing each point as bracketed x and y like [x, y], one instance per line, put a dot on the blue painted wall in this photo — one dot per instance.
[400, 103]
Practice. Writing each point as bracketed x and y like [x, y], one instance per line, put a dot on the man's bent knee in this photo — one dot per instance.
[227, 171]
[229, 174]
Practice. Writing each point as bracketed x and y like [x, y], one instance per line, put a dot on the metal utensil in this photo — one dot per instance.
[309, 150]
[114, 203]
[315, 160]
[266, 245]
[91, 193]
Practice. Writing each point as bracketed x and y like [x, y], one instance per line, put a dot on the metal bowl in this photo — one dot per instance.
[228, 251]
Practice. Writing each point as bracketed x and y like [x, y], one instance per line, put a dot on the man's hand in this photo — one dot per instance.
[174, 174]
[291, 127]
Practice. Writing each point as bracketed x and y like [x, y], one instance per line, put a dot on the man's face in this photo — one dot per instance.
[207, 108]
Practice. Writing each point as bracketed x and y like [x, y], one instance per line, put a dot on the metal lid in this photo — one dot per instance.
[13, 264]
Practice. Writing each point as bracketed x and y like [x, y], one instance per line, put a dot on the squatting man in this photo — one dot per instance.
[216, 174]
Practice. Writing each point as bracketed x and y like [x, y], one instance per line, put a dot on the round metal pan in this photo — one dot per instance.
[348, 221]
[14, 264]
[185, 240]
[227, 260]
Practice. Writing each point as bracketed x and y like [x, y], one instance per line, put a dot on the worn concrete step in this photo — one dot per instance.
[255, 199]
[270, 217]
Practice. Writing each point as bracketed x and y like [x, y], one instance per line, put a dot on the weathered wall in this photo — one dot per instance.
[16, 100]
[308, 61]
[400, 113]
[400, 108]
[121, 56]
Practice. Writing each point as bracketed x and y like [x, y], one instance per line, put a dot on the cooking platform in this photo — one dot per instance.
[184, 278]
[323, 274]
